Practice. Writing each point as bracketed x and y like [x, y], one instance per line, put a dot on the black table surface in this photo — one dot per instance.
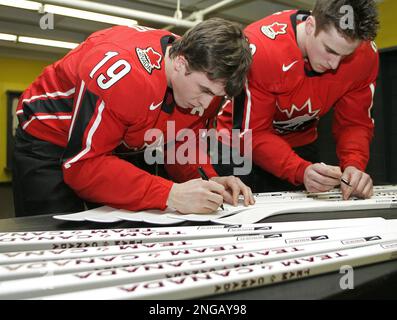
[377, 281]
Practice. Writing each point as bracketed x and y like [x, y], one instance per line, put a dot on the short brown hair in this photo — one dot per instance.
[218, 48]
[366, 23]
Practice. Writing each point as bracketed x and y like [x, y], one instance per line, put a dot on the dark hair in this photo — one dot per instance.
[365, 22]
[218, 48]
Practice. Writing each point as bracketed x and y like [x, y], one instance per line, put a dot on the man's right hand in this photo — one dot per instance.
[320, 177]
[196, 196]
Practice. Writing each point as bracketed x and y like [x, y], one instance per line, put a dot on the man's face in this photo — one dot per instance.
[193, 89]
[328, 48]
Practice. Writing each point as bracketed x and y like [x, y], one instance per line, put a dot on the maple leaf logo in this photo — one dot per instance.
[274, 29]
[149, 58]
[154, 58]
[295, 119]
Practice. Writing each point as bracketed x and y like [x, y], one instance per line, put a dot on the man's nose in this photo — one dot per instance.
[334, 62]
[205, 100]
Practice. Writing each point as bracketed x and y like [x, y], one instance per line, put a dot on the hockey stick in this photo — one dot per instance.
[107, 214]
[95, 238]
[252, 215]
[266, 208]
[241, 278]
[51, 285]
[16, 271]
[73, 251]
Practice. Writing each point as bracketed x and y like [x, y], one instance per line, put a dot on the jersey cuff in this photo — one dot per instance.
[161, 192]
[353, 163]
[300, 173]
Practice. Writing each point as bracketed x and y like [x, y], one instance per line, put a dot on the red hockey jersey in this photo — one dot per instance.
[283, 101]
[108, 91]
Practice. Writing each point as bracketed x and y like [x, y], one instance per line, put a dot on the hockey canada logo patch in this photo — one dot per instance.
[295, 118]
[274, 30]
[149, 58]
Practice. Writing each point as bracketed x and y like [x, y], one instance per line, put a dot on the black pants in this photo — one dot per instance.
[262, 181]
[38, 180]
[38, 183]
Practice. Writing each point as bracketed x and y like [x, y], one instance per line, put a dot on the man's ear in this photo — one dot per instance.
[310, 26]
[180, 63]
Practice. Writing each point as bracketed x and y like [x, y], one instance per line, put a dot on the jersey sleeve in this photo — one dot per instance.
[353, 125]
[181, 172]
[269, 151]
[109, 100]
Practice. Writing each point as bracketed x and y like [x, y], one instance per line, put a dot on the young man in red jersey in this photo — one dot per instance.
[110, 90]
[305, 63]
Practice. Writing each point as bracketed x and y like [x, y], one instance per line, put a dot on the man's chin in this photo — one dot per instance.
[184, 109]
[182, 105]
[320, 69]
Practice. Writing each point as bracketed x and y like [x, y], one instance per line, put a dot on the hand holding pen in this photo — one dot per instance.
[204, 176]
[342, 180]
[319, 177]
[356, 183]
[235, 189]
[196, 196]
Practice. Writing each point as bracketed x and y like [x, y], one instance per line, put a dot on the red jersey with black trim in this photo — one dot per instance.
[111, 90]
[284, 100]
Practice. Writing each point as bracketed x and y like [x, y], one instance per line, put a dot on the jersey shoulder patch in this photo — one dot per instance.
[149, 58]
[275, 29]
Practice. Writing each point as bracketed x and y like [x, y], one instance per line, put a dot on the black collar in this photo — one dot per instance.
[300, 15]
[168, 104]
[168, 101]
[165, 41]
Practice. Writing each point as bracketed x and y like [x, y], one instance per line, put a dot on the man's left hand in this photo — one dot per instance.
[233, 188]
[360, 183]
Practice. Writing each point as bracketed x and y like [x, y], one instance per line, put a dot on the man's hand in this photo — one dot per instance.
[233, 188]
[320, 177]
[196, 196]
[360, 184]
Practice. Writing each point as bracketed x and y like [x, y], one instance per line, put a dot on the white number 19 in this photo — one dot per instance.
[106, 82]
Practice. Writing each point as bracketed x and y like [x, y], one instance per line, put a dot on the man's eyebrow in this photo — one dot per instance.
[207, 90]
[332, 50]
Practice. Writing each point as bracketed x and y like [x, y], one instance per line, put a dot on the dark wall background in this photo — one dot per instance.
[383, 161]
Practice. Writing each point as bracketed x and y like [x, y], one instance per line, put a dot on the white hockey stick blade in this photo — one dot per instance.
[81, 216]
[150, 216]
[160, 217]
[265, 208]
[252, 215]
